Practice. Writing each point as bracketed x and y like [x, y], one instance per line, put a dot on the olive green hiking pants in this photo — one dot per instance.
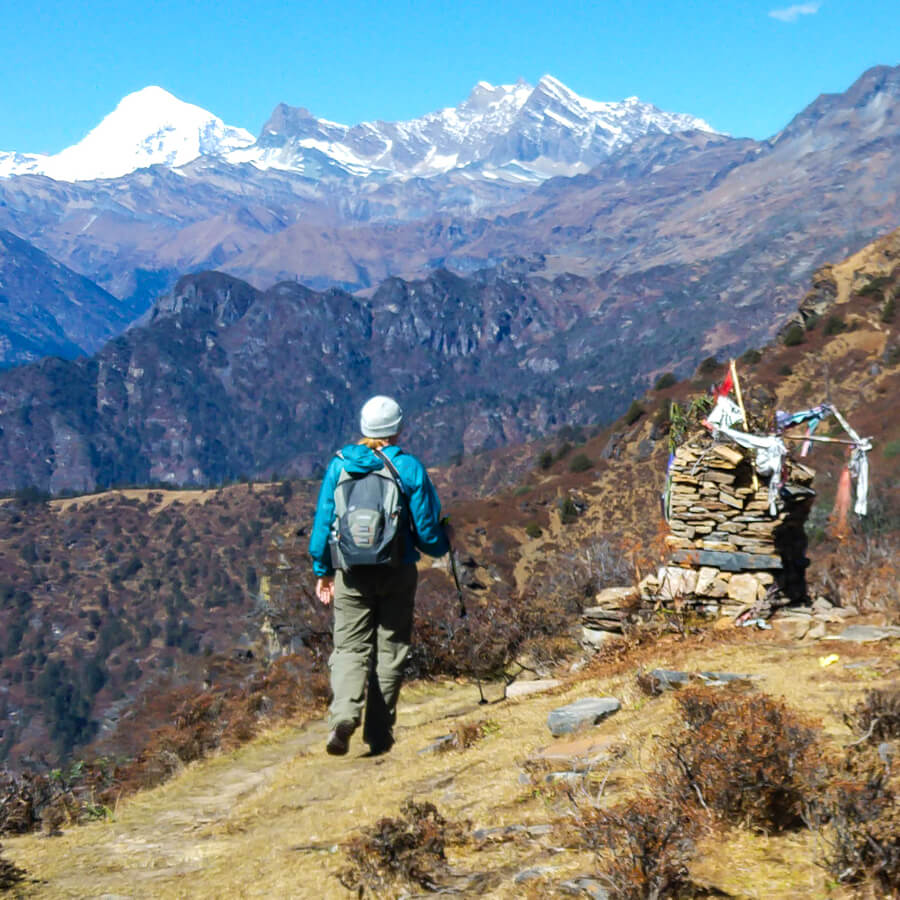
[373, 614]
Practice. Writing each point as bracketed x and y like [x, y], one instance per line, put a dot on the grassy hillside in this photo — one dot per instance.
[139, 627]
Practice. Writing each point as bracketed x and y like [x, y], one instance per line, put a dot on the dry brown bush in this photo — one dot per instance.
[858, 820]
[877, 715]
[10, 874]
[466, 735]
[745, 758]
[211, 720]
[406, 851]
[644, 845]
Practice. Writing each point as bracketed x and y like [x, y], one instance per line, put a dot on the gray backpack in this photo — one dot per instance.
[371, 518]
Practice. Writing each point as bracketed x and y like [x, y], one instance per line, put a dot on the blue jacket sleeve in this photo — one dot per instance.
[321, 531]
[425, 509]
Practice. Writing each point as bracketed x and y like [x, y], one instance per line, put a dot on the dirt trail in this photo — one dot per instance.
[298, 802]
[265, 820]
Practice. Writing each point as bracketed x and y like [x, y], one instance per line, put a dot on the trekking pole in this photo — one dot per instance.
[462, 603]
[463, 612]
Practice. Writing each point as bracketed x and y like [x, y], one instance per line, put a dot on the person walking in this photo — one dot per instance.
[366, 538]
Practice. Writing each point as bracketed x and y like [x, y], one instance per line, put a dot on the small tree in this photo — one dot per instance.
[665, 381]
[635, 411]
[580, 463]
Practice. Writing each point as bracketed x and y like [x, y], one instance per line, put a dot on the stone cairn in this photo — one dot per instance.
[727, 554]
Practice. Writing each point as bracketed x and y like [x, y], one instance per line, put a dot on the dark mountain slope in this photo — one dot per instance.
[224, 380]
[47, 309]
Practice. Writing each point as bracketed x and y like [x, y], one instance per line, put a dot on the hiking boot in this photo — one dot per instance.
[381, 744]
[339, 739]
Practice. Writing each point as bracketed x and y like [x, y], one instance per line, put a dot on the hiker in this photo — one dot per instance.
[364, 553]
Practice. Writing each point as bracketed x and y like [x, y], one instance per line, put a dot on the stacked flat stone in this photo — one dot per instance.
[607, 616]
[725, 547]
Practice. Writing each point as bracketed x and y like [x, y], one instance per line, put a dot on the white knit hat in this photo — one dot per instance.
[380, 417]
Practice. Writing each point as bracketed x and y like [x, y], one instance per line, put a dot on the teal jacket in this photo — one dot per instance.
[424, 506]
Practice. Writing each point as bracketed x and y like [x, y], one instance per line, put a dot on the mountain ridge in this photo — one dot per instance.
[152, 127]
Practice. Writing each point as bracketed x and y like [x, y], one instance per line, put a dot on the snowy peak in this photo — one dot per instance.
[149, 127]
[510, 131]
[515, 131]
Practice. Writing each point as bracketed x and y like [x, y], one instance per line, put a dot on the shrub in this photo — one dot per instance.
[665, 381]
[533, 530]
[877, 715]
[811, 321]
[403, 851]
[785, 370]
[888, 311]
[875, 287]
[834, 325]
[10, 874]
[891, 449]
[708, 366]
[645, 844]
[747, 759]
[568, 511]
[466, 735]
[635, 411]
[859, 822]
[580, 463]
[545, 459]
[793, 336]
[751, 357]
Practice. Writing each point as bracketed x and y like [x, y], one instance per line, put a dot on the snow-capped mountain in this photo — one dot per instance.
[149, 127]
[12, 163]
[512, 131]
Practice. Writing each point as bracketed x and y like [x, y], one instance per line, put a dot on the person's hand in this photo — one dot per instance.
[325, 590]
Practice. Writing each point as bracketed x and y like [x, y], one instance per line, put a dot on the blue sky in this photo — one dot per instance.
[745, 67]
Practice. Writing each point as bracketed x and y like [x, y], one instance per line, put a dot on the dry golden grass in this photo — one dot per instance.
[266, 820]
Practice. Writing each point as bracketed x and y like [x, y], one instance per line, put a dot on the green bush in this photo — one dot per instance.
[793, 336]
[811, 321]
[891, 449]
[889, 309]
[875, 287]
[635, 411]
[834, 325]
[568, 511]
[533, 530]
[708, 366]
[665, 381]
[545, 459]
[581, 463]
[751, 357]
[785, 370]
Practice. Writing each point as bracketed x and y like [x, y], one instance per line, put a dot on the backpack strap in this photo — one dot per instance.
[395, 475]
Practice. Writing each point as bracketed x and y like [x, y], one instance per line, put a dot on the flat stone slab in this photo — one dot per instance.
[587, 711]
[717, 678]
[506, 832]
[585, 886]
[667, 679]
[597, 637]
[615, 596]
[862, 634]
[524, 688]
[589, 749]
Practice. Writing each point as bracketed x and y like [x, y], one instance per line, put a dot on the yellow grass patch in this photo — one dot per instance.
[266, 820]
